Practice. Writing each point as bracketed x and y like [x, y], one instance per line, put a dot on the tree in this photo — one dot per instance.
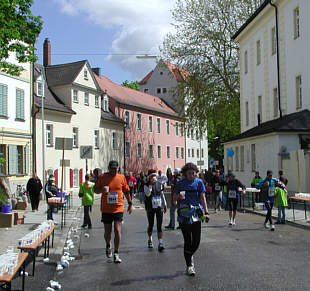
[201, 44]
[18, 32]
[133, 85]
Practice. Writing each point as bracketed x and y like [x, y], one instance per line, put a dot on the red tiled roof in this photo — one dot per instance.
[146, 78]
[125, 95]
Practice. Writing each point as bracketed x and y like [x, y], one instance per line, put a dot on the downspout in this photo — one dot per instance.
[278, 55]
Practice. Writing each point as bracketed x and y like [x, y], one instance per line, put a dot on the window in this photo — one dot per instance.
[253, 157]
[275, 102]
[86, 98]
[296, 23]
[273, 41]
[158, 91]
[197, 134]
[168, 127]
[260, 107]
[168, 152]
[188, 153]
[298, 93]
[75, 133]
[20, 104]
[75, 96]
[242, 158]
[20, 161]
[258, 53]
[49, 135]
[182, 130]
[176, 128]
[75, 178]
[247, 116]
[85, 74]
[146, 90]
[164, 90]
[139, 124]
[3, 100]
[177, 152]
[106, 103]
[16, 160]
[40, 89]
[126, 119]
[3, 156]
[159, 151]
[114, 140]
[188, 133]
[237, 158]
[158, 125]
[182, 153]
[192, 134]
[127, 149]
[96, 101]
[193, 153]
[96, 139]
[150, 123]
[151, 153]
[198, 154]
[139, 150]
[202, 153]
[246, 62]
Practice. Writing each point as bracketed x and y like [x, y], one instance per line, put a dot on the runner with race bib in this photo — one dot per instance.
[155, 205]
[233, 195]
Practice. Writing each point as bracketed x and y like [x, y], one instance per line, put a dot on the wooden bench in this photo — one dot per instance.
[294, 199]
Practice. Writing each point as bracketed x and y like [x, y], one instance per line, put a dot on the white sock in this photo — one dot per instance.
[150, 238]
[160, 240]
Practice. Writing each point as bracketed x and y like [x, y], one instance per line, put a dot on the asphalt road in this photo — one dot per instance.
[246, 257]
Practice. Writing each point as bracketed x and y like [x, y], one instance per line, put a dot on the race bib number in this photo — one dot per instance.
[217, 188]
[232, 194]
[130, 183]
[271, 192]
[112, 198]
[156, 202]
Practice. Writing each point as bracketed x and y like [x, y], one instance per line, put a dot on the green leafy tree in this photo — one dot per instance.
[201, 44]
[133, 85]
[19, 30]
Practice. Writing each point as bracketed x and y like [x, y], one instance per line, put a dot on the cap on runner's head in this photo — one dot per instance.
[113, 165]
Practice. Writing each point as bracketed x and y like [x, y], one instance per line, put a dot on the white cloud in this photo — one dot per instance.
[141, 27]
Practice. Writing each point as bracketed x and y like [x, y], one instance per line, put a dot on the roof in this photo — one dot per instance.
[179, 73]
[294, 122]
[58, 75]
[111, 117]
[251, 18]
[51, 101]
[131, 97]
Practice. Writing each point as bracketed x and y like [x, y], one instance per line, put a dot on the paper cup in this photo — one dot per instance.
[106, 189]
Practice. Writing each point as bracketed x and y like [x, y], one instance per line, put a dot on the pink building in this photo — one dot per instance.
[154, 134]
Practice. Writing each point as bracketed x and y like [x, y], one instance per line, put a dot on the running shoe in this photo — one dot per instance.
[150, 244]
[108, 252]
[267, 225]
[273, 227]
[161, 247]
[117, 259]
[190, 271]
[230, 222]
[234, 222]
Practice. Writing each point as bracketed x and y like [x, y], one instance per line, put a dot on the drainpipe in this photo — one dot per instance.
[278, 54]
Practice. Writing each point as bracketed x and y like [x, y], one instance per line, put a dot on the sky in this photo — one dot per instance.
[108, 33]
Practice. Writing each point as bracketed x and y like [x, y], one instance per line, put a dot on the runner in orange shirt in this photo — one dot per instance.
[113, 186]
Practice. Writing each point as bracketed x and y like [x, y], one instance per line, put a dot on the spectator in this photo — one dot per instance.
[51, 190]
[142, 180]
[281, 202]
[34, 187]
[282, 178]
[257, 178]
[87, 194]
[4, 192]
[162, 178]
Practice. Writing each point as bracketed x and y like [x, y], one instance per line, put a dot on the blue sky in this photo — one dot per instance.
[80, 29]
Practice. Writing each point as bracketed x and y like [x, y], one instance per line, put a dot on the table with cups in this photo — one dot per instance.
[299, 198]
[10, 264]
[59, 201]
[31, 242]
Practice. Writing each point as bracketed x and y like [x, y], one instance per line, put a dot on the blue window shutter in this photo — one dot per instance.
[13, 159]
[3, 100]
[27, 160]
[20, 104]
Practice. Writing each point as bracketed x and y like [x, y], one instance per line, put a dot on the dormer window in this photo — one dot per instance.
[106, 103]
[85, 74]
[40, 89]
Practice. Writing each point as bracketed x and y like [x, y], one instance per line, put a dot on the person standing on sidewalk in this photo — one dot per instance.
[282, 178]
[113, 186]
[281, 202]
[190, 192]
[51, 190]
[87, 194]
[34, 187]
[155, 205]
[267, 194]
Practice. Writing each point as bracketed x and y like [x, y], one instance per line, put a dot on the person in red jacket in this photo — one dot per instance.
[132, 182]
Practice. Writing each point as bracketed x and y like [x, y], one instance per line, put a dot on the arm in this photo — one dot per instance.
[98, 188]
[147, 191]
[260, 183]
[127, 195]
[163, 198]
[204, 202]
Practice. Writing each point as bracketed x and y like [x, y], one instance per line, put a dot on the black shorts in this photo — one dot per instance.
[232, 204]
[108, 218]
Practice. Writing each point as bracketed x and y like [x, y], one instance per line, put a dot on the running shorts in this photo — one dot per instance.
[108, 218]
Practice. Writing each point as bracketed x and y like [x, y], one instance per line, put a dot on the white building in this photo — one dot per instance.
[163, 82]
[16, 125]
[266, 139]
[75, 107]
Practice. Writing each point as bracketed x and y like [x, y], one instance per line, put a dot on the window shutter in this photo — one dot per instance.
[3, 100]
[71, 178]
[13, 159]
[52, 135]
[17, 104]
[27, 159]
[56, 176]
[81, 176]
[77, 137]
[20, 104]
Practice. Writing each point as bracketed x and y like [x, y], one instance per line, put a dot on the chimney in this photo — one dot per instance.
[46, 53]
[96, 71]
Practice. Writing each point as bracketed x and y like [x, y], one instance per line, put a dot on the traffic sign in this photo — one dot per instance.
[200, 163]
[62, 143]
[86, 152]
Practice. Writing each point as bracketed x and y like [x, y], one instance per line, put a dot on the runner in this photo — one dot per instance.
[233, 194]
[190, 192]
[113, 187]
[217, 183]
[155, 205]
[132, 182]
[267, 187]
